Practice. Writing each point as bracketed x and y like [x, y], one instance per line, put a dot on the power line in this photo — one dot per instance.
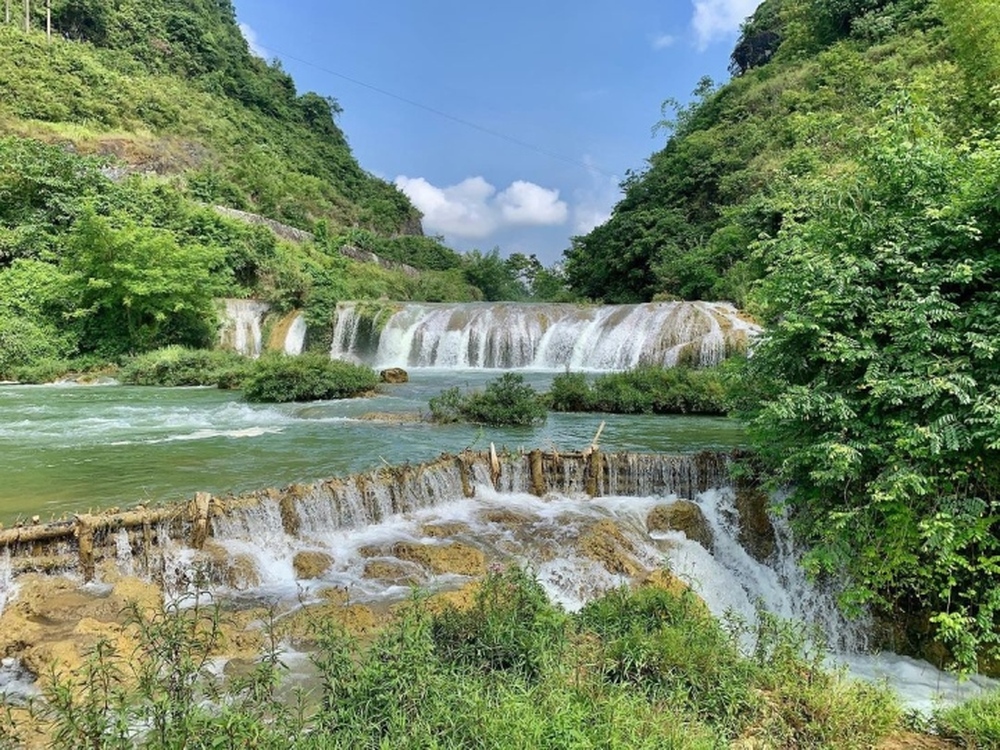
[447, 116]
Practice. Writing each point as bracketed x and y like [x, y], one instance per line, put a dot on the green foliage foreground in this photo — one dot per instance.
[880, 380]
[635, 669]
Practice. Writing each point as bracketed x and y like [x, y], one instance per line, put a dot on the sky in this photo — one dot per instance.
[508, 124]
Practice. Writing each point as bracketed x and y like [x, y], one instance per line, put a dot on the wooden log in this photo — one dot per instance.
[85, 542]
[537, 473]
[594, 471]
[494, 466]
[199, 514]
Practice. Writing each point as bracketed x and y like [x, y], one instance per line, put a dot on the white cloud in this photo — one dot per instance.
[662, 41]
[717, 19]
[528, 204]
[251, 36]
[593, 204]
[473, 209]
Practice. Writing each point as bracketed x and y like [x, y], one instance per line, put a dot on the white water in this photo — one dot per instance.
[544, 537]
[241, 328]
[6, 580]
[296, 337]
[546, 337]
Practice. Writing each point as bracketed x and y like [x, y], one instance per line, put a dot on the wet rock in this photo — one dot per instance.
[506, 517]
[684, 516]
[390, 417]
[311, 564]
[756, 531]
[391, 571]
[237, 571]
[457, 558]
[444, 530]
[394, 375]
[605, 543]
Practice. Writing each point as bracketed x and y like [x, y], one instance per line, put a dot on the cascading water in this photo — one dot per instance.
[296, 337]
[6, 582]
[549, 337]
[241, 329]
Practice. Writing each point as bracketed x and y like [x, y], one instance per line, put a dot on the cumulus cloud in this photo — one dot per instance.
[662, 41]
[252, 41]
[473, 208]
[716, 19]
[594, 203]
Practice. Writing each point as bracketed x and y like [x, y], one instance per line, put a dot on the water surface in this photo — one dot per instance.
[67, 449]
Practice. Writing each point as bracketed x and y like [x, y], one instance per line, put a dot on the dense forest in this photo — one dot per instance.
[843, 188]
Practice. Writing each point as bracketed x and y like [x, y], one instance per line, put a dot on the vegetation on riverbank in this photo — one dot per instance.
[634, 669]
[643, 390]
[507, 400]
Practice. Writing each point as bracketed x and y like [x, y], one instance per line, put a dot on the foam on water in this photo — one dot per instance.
[542, 534]
[543, 337]
[6, 579]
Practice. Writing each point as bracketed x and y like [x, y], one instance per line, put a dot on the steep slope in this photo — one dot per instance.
[809, 79]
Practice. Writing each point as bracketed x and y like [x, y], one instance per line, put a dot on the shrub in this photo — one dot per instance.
[179, 366]
[644, 390]
[976, 722]
[308, 377]
[508, 400]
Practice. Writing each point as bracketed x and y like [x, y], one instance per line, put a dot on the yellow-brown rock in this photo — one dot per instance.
[394, 375]
[683, 516]
[311, 564]
[444, 530]
[457, 558]
[605, 543]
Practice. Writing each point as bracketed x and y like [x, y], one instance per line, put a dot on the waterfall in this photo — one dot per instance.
[6, 582]
[241, 329]
[543, 336]
[296, 337]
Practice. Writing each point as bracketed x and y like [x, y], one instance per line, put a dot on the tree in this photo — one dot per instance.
[139, 289]
[879, 379]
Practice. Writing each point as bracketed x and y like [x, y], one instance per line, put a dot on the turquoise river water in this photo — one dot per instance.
[71, 448]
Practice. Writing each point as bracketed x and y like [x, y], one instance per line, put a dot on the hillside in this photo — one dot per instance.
[119, 140]
[810, 78]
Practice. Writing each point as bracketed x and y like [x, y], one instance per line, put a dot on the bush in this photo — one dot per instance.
[644, 390]
[179, 366]
[307, 377]
[976, 723]
[508, 400]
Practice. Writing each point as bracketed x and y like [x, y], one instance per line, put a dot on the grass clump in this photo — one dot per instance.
[506, 401]
[643, 390]
[307, 377]
[180, 366]
[645, 668]
[975, 723]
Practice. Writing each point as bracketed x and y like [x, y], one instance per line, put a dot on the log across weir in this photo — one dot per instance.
[80, 543]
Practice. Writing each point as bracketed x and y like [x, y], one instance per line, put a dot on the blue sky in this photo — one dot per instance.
[568, 91]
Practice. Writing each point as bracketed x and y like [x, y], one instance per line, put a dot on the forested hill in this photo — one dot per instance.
[810, 80]
[169, 86]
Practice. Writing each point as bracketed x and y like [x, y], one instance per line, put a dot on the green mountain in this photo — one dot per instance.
[810, 79]
[120, 139]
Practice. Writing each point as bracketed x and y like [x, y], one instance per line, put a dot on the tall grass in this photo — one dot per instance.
[634, 669]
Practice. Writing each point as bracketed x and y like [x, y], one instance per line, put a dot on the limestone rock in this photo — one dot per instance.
[605, 543]
[311, 563]
[756, 532]
[235, 571]
[457, 558]
[394, 375]
[685, 516]
[390, 570]
[444, 530]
